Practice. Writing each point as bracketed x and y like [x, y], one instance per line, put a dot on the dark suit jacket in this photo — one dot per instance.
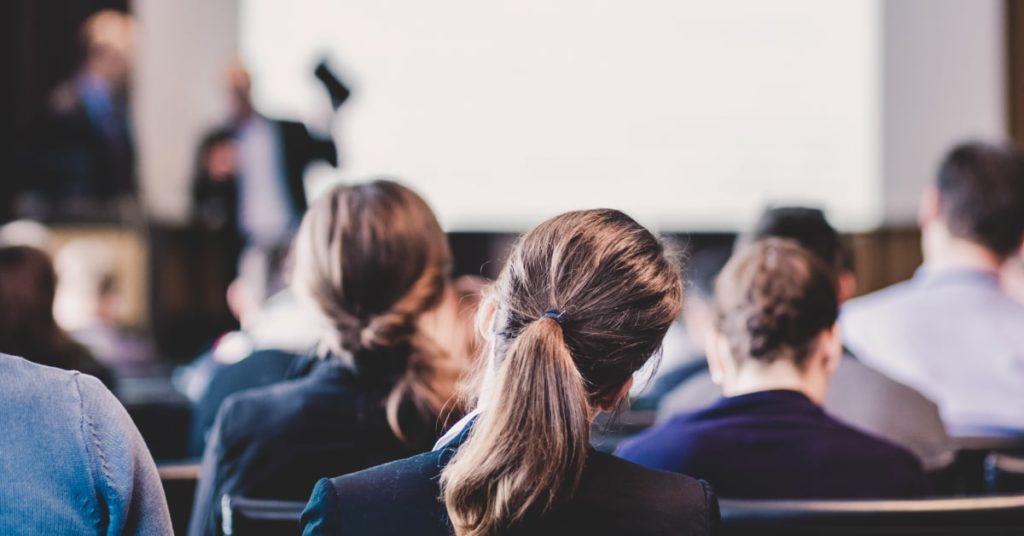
[261, 368]
[70, 157]
[614, 497]
[299, 148]
[275, 442]
[859, 396]
[777, 444]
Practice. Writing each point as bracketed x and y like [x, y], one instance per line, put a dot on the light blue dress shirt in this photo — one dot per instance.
[955, 336]
[71, 460]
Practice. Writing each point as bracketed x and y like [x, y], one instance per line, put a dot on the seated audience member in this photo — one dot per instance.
[280, 323]
[88, 305]
[27, 326]
[450, 325]
[773, 348]
[858, 395]
[951, 332]
[701, 270]
[582, 304]
[72, 462]
[248, 358]
[373, 260]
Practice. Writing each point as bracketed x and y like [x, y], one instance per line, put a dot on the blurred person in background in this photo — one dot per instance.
[89, 304]
[373, 262]
[249, 187]
[81, 158]
[28, 328]
[270, 346]
[73, 461]
[858, 395]
[951, 331]
[701, 270]
[774, 347]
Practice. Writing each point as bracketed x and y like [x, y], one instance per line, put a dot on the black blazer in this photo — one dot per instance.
[274, 442]
[259, 369]
[299, 148]
[614, 497]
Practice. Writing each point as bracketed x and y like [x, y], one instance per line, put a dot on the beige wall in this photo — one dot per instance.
[183, 49]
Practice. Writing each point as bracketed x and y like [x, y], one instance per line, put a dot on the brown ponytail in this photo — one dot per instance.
[616, 293]
[373, 259]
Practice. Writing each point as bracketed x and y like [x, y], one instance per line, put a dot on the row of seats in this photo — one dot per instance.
[998, 515]
[988, 515]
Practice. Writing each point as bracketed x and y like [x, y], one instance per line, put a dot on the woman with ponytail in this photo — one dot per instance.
[372, 260]
[583, 302]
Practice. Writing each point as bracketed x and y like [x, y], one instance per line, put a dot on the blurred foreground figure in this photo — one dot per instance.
[81, 162]
[249, 189]
[952, 332]
[72, 462]
[773, 348]
[28, 328]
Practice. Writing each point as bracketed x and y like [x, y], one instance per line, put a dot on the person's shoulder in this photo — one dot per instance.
[615, 471]
[658, 499]
[19, 375]
[275, 407]
[903, 292]
[405, 478]
[256, 369]
[48, 388]
[867, 446]
[393, 498]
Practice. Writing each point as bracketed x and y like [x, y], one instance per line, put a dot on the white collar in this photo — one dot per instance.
[455, 430]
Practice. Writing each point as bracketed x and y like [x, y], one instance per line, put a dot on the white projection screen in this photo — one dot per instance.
[690, 115]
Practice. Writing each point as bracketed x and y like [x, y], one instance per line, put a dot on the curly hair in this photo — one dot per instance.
[374, 260]
[772, 300]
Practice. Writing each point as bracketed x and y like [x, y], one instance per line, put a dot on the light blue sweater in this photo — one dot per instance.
[71, 460]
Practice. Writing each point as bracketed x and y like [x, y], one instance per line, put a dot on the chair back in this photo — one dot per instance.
[1004, 473]
[984, 516]
[243, 516]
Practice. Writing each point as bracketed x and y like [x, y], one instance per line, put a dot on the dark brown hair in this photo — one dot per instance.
[981, 195]
[773, 299]
[374, 259]
[27, 326]
[583, 302]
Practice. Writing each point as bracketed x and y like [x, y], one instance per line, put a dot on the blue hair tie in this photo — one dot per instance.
[556, 315]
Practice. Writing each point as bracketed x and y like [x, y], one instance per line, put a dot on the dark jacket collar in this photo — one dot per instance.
[773, 402]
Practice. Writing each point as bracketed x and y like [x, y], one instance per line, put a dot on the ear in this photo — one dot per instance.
[847, 285]
[930, 206]
[608, 403]
[833, 346]
[717, 354]
[485, 317]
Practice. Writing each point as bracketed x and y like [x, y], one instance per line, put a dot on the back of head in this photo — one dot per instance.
[809, 228]
[702, 268]
[27, 287]
[981, 195]
[583, 302]
[373, 259]
[772, 300]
